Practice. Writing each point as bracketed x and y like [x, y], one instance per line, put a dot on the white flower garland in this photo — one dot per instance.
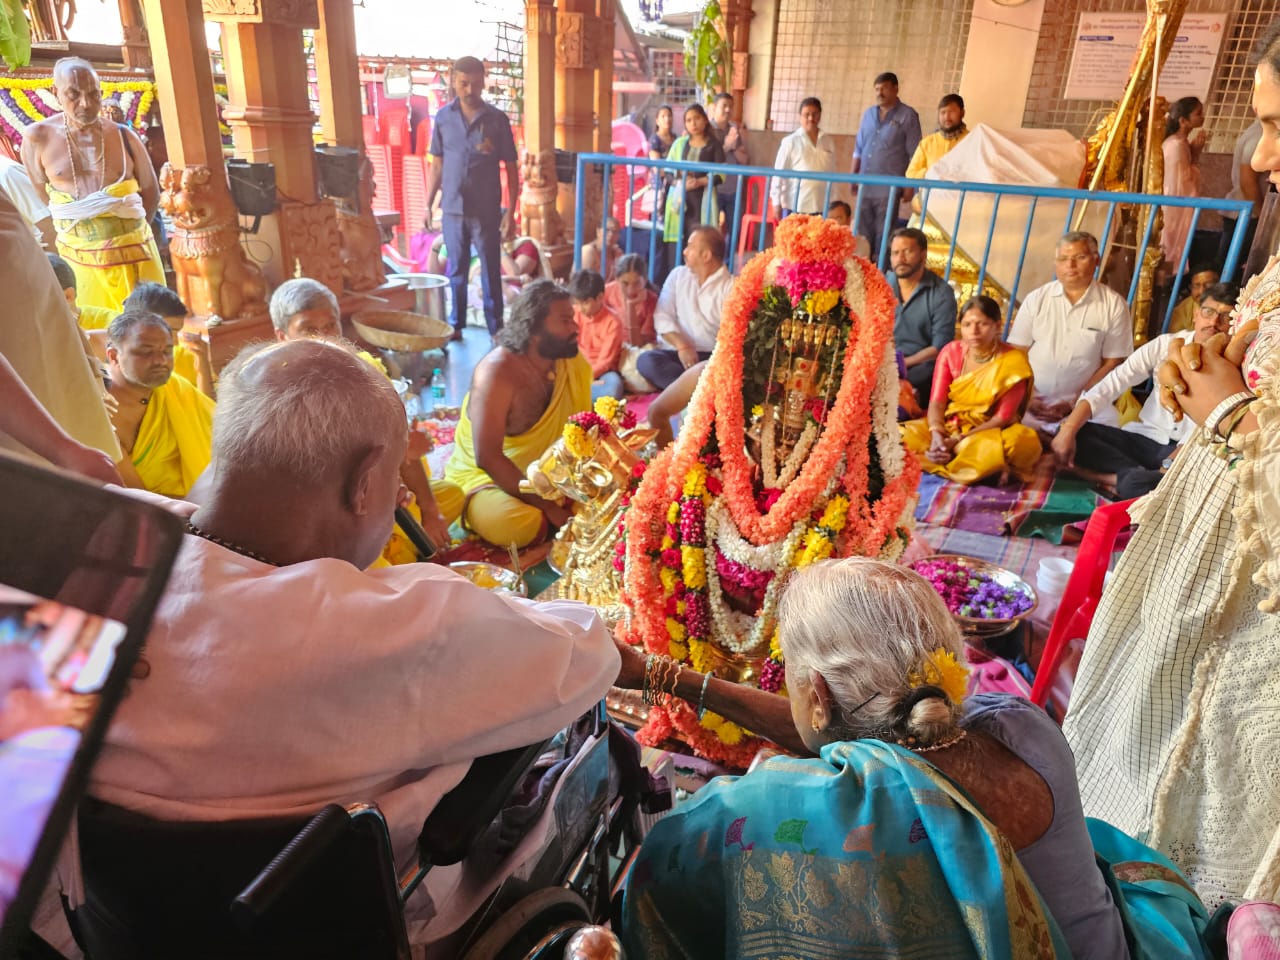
[884, 417]
[799, 453]
[767, 448]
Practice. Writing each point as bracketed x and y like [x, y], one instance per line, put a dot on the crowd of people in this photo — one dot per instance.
[289, 464]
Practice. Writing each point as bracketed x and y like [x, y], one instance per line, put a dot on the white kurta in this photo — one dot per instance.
[273, 691]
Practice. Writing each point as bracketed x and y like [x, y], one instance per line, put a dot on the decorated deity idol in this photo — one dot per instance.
[789, 454]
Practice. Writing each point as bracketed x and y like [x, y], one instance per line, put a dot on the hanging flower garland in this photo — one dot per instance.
[24, 100]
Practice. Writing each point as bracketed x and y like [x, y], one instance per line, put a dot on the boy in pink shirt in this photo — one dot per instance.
[600, 334]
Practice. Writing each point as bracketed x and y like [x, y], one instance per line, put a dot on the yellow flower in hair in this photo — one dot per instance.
[609, 408]
[941, 669]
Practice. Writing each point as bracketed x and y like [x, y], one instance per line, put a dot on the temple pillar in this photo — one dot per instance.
[213, 276]
[578, 53]
[539, 217]
[271, 121]
[135, 51]
[338, 79]
[604, 76]
[740, 39]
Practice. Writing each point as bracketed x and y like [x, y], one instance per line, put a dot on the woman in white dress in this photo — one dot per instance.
[1175, 718]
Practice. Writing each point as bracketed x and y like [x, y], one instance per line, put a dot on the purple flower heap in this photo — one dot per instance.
[968, 593]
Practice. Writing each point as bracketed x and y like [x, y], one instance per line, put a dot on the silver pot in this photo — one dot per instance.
[428, 293]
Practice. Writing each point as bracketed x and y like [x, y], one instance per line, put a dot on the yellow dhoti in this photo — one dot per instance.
[175, 439]
[971, 400]
[108, 242]
[490, 511]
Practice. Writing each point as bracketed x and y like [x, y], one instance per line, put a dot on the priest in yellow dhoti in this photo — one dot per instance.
[302, 308]
[164, 424]
[981, 386]
[100, 186]
[521, 395]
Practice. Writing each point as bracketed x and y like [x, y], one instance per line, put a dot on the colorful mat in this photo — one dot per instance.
[1038, 508]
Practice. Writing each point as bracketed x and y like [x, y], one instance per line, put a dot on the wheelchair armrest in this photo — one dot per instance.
[466, 810]
[318, 836]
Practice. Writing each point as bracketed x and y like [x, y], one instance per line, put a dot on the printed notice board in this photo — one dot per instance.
[1106, 42]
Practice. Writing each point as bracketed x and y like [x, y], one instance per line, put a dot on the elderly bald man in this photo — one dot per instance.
[302, 308]
[285, 676]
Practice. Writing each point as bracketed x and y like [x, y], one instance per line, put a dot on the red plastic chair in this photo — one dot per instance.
[757, 213]
[1084, 589]
[422, 137]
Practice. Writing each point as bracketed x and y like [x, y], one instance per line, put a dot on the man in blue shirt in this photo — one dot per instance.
[468, 141]
[925, 320]
[887, 137]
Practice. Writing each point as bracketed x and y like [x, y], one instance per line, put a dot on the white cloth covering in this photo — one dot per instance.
[15, 183]
[692, 308]
[273, 691]
[798, 152]
[1154, 422]
[1068, 341]
[99, 204]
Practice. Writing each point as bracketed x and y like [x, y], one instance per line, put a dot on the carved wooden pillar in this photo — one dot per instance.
[605, 12]
[271, 121]
[740, 38]
[213, 275]
[338, 78]
[136, 53]
[538, 215]
[578, 54]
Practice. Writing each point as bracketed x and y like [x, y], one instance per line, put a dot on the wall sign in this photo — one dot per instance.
[1105, 43]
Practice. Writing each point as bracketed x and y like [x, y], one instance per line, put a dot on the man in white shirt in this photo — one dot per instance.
[805, 148]
[1128, 461]
[283, 675]
[687, 316]
[1074, 331]
[15, 183]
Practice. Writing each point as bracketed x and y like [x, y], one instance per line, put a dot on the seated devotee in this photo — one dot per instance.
[1074, 331]
[164, 424]
[925, 319]
[354, 685]
[89, 317]
[1199, 279]
[671, 402]
[688, 312]
[914, 791]
[1128, 461]
[15, 183]
[302, 308]
[520, 265]
[634, 301]
[521, 394]
[41, 341]
[613, 251]
[842, 213]
[972, 429]
[191, 358]
[600, 334]
[101, 188]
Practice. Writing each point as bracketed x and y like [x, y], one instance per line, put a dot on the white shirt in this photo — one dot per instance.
[1154, 422]
[273, 691]
[1068, 341]
[798, 152]
[15, 183]
[692, 308]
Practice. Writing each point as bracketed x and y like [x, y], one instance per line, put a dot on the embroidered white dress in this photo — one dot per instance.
[1175, 717]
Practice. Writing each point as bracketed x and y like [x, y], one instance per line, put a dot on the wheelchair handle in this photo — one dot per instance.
[265, 890]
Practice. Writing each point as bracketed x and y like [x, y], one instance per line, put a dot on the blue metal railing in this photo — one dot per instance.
[983, 236]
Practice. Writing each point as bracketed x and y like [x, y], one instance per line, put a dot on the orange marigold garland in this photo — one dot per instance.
[668, 547]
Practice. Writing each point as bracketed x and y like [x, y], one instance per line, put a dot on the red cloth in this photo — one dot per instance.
[948, 366]
[640, 331]
[600, 340]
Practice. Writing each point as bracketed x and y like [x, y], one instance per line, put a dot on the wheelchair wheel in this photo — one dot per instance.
[537, 926]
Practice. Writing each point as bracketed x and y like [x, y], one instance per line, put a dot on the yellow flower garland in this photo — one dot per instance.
[578, 442]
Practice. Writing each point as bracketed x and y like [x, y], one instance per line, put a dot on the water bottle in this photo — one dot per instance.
[437, 386]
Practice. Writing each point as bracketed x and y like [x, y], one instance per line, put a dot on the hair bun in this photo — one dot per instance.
[927, 714]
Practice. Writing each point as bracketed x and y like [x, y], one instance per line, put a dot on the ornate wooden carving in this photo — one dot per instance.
[538, 215]
[362, 266]
[310, 242]
[292, 13]
[577, 45]
[213, 274]
[539, 18]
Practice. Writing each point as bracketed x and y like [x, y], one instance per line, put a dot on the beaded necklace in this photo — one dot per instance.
[233, 547]
[73, 148]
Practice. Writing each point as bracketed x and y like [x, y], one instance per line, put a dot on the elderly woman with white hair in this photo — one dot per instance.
[302, 308]
[929, 823]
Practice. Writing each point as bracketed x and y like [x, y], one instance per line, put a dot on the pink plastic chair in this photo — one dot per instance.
[1084, 589]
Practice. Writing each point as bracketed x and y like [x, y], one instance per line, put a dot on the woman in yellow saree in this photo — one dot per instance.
[980, 388]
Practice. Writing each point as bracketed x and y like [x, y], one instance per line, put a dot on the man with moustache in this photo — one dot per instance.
[951, 130]
[887, 137]
[925, 320]
[164, 424]
[521, 395]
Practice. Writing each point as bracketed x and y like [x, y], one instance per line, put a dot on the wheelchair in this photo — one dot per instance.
[560, 821]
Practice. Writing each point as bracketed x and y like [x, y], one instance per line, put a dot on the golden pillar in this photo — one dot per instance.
[271, 121]
[338, 79]
[213, 277]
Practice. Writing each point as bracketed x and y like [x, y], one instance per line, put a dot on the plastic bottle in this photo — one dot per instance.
[438, 386]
